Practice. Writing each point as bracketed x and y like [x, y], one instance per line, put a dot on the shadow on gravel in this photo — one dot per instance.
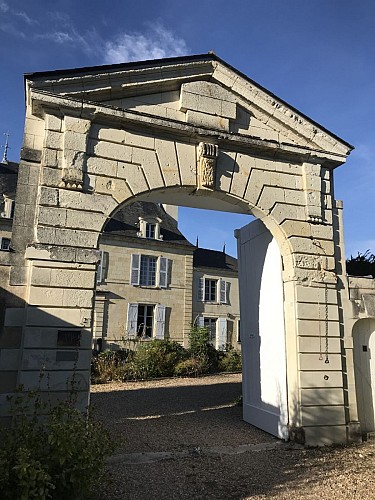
[197, 418]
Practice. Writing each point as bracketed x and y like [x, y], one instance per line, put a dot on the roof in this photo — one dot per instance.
[160, 66]
[126, 223]
[8, 177]
[203, 257]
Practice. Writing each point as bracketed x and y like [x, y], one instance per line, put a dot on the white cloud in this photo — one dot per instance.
[4, 7]
[10, 29]
[26, 18]
[157, 42]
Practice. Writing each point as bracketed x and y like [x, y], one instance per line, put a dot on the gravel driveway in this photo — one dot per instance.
[185, 439]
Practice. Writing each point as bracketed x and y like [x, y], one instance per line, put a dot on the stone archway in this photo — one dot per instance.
[190, 128]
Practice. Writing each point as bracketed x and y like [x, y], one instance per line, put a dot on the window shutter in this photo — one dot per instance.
[163, 272]
[201, 289]
[131, 325]
[99, 272]
[135, 270]
[160, 321]
[200, 322]
[223, 291]
[221, 337]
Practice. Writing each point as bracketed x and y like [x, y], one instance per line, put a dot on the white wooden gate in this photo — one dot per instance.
[262, 330]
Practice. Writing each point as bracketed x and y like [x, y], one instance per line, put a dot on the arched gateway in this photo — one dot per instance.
[187, 131]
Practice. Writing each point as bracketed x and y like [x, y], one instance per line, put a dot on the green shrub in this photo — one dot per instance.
[201, 348]
[231, 361]
[108, 365]
[58, 456]
[156, 358]
[191, 367]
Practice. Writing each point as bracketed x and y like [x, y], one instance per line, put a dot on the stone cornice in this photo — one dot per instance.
[42, 102]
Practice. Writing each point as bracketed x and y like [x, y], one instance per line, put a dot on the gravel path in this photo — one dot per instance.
[185, 439]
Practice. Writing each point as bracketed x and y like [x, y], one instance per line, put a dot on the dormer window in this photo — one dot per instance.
[150, 228]
[8, 212]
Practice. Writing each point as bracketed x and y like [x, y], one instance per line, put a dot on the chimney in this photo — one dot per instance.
[172, 211]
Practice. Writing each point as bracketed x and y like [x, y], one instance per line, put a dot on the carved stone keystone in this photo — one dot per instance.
[207, 156]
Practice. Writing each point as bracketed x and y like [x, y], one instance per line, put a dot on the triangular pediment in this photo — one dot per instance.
[199, 90]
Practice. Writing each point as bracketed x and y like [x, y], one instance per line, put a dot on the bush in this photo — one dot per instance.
[201, 348]
[156, 358]
[108, 365]
[362, 265]
[60, 456]
[231, 361]
[191, 367]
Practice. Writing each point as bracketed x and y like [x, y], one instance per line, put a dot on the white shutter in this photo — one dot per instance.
[131, 325]
[223, 291]
[201, 289]
[135, 269]
[200, 322]
[163, 272]
[221, 333]
[99, 272]
[159, 321]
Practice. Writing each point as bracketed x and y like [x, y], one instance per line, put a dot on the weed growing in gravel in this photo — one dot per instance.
[50, 452]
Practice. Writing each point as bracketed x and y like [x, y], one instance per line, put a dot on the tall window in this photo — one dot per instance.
[213, 290]
[4, 243]
[148, 270]
[145, 320]
[210, 323]
[210, 290]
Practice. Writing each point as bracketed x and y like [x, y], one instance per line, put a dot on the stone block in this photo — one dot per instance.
[316, 397]
[100, 166]
[318, 344]
[67, 237]
[11, 337]
[148, 160]
[85, 220]
[325, 435]
[9, 359]
[270, 196]
[40, 337]
[315, 294]
[51, 216]
[225, 167]
[14, 316]
[72, 278]
[8, 381]
[53, 140]
[52, 122]
[45, 296]
[91, 201]
[51, 177]
[75, 142]
[317, 311]
[77, 298]
[307, 327]
[58, 317]
[49, 196]
[311, 362]
[40, 276]
[207, 121]
[323, 415]
[78, 125]
[108, 134]
[186, 155]
[167, 157]
[296, 228]
[111, 150]
[54, 381]
[45, 359]
[139, 140]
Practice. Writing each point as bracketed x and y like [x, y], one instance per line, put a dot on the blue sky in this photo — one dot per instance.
[318, 55]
